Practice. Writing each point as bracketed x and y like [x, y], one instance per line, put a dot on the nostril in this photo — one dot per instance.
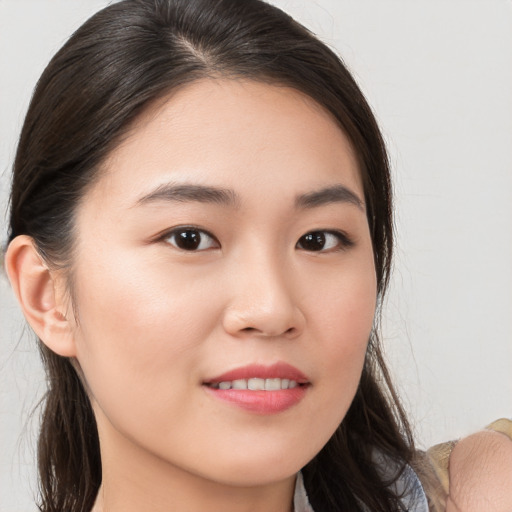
[289, 331]
[266, 322]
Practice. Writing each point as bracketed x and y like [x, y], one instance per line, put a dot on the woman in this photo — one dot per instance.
[172, 152]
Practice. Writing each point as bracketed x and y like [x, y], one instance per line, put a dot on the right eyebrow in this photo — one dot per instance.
[189, 192]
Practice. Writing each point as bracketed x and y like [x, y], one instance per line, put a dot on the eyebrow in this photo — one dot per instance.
[227, 197]
[328, 195]
[189, 192]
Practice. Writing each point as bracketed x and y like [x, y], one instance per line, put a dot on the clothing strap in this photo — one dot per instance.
[408, 486]
[300, 498]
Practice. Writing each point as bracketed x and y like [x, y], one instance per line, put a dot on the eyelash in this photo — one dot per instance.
[344, 241]
[191, 229]
[319, 236]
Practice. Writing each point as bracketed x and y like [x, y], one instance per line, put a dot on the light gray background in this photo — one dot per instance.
[439, 76]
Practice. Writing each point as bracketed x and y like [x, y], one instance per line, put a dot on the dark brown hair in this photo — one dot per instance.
[123, 58]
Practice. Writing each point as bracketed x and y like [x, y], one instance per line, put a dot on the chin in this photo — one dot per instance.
[255, 477]
[260, 469]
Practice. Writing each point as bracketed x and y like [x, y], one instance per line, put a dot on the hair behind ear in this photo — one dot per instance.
[68, 441]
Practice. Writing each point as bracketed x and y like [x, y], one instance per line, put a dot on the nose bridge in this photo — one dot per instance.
[262, 298]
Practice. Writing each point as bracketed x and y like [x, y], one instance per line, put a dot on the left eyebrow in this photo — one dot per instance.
[328, 195]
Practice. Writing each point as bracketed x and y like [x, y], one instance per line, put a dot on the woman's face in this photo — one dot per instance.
[224, 245]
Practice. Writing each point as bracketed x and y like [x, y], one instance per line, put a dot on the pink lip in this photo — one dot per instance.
[261, 402]
[275, 371]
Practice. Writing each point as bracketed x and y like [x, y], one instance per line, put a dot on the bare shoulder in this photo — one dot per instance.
[480, 473]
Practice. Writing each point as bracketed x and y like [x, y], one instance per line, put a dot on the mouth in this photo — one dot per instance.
[257, 384]
[258, 377]
[260, 389]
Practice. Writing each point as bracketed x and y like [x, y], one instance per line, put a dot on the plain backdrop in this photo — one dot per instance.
[439, 77]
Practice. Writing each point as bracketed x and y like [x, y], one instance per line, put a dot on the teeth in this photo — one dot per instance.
[239, 384]
[256, 384]
[272, 384]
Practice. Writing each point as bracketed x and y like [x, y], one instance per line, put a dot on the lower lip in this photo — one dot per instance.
[260, 402]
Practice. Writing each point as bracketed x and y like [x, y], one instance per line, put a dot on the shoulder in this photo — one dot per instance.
[476, 472]
[480, 473]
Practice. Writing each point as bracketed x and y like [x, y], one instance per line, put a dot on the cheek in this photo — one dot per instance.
[342, 318]
[136, 323]
[138, 300]
[346, 325]
[344, 310]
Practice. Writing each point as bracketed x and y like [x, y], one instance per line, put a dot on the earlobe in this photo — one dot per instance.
[38, 293]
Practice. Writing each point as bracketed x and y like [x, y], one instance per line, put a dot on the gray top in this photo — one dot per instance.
[408, 485]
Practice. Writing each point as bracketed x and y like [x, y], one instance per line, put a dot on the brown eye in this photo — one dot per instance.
[191, 239]
[317, 241]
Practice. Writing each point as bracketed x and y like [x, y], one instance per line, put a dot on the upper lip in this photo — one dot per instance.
[278, 370]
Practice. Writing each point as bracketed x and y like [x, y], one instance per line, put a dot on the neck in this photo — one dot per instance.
[134, 480]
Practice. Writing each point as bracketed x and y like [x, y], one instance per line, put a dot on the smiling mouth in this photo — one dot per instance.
[260, 389]
[256, 384]
[257, 377]
[259, 396]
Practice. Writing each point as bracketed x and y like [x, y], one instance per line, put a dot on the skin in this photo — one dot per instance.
[153, 321]
[481, 474]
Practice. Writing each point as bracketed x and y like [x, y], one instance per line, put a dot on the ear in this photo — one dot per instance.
[41, 295]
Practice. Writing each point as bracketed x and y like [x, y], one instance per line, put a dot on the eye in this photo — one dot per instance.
[191, 239]
[323, 241]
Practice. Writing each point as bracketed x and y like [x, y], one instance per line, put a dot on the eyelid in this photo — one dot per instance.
[168, 233]
[345, 241]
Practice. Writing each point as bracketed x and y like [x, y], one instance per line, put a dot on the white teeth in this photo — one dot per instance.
[272, 384]
[239, 384]
[257, 384]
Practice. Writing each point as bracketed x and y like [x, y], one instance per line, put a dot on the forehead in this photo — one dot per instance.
[235, 133]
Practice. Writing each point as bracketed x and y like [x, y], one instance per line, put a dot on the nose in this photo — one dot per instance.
[263, 300]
